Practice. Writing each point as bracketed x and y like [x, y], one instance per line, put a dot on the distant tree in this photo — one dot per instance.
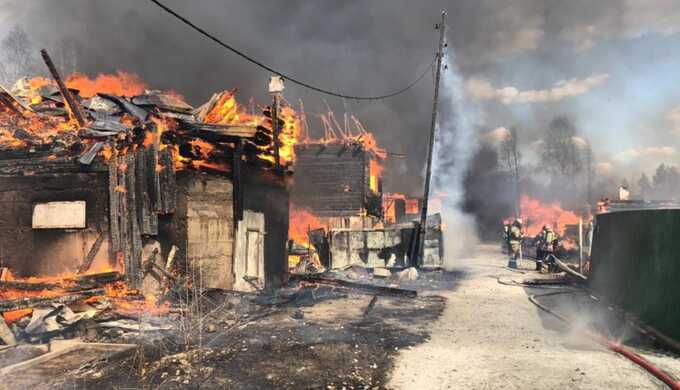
[666, 182]
[560, 154]
[644, 187]
[18, 58]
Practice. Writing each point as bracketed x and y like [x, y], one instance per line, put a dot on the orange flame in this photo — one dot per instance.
[120, 83]
[228, 112]
[376, 172]
[301, 221]
[536, 214]
[290, 134]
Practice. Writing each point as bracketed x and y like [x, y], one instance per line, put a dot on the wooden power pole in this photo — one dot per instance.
[276, 90]
[419, 259]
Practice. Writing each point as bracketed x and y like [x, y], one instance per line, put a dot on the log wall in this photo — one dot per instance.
[30, 252]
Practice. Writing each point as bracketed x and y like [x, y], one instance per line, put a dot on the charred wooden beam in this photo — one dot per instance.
[7, 102]
[114, 205]
[148, 220]
[15, 99]
[44, 165]
[87, 262]
[30, 286]
[74, 284]
[72, 104]
[133, 272]
[153, 165]
[124, 213]
[384, 290]
[100, 278]
[168, 182]
[234, 131]
[27, 303]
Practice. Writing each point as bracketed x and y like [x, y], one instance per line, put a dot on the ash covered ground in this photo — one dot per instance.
[305, 336]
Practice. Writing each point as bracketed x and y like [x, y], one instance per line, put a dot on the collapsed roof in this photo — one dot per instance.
[36, 117]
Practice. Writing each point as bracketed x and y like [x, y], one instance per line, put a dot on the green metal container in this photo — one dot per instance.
[636, 264]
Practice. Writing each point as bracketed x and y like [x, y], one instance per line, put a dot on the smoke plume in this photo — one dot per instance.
[456, 144]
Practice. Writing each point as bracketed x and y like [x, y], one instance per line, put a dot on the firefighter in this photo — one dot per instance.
[506, 232]
[515, 243]
[547, 243]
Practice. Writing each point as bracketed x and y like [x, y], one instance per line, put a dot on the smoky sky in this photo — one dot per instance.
[360, 48]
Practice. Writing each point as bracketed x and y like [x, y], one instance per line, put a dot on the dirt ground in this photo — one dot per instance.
[465, 330]
[325, 338]
[491, 337]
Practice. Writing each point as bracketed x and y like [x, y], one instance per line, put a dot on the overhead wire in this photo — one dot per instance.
[284, 75]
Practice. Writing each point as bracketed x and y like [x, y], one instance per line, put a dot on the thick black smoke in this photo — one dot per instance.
[357, 47]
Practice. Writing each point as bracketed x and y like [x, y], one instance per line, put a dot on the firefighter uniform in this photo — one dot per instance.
[547, 243]
[515, 243]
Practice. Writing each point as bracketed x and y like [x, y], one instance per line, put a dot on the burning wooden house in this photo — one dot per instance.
[340, 183]
[139, 187]
[339, 206]
[339, 187]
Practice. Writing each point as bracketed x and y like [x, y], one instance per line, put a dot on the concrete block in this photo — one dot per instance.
[375, 240]
[409, 274]
[381, 273]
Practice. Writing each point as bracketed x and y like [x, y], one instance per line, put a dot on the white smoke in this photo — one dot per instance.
[456, 143]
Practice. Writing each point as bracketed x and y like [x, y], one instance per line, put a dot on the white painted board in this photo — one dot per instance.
[59, 215]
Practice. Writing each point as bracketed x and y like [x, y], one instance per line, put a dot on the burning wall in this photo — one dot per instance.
[121, 156]
[400, 208]
[334, 180]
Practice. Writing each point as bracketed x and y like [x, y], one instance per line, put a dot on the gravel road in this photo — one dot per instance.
[491, 337]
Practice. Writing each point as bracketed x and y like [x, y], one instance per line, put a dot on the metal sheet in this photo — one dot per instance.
[635, 265]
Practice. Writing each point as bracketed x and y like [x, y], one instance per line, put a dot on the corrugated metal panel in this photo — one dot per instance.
[636, 264]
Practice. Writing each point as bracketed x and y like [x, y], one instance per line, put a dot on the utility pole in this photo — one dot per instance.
[418, 260]
[276, 89]
[589, 178]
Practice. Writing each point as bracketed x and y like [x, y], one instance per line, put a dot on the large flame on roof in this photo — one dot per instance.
[227, 111]
[120, 83]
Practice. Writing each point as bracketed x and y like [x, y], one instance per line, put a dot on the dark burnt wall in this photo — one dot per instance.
[330, 180]
[29, 251]
[267, 193]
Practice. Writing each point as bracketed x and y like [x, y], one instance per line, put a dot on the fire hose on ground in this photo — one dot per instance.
[607, 343]
[598, 338]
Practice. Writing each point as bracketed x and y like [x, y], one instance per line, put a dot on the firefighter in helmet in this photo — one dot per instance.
[547, 243]
[515, 243]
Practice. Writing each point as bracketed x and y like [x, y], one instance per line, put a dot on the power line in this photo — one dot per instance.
[285, 76]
